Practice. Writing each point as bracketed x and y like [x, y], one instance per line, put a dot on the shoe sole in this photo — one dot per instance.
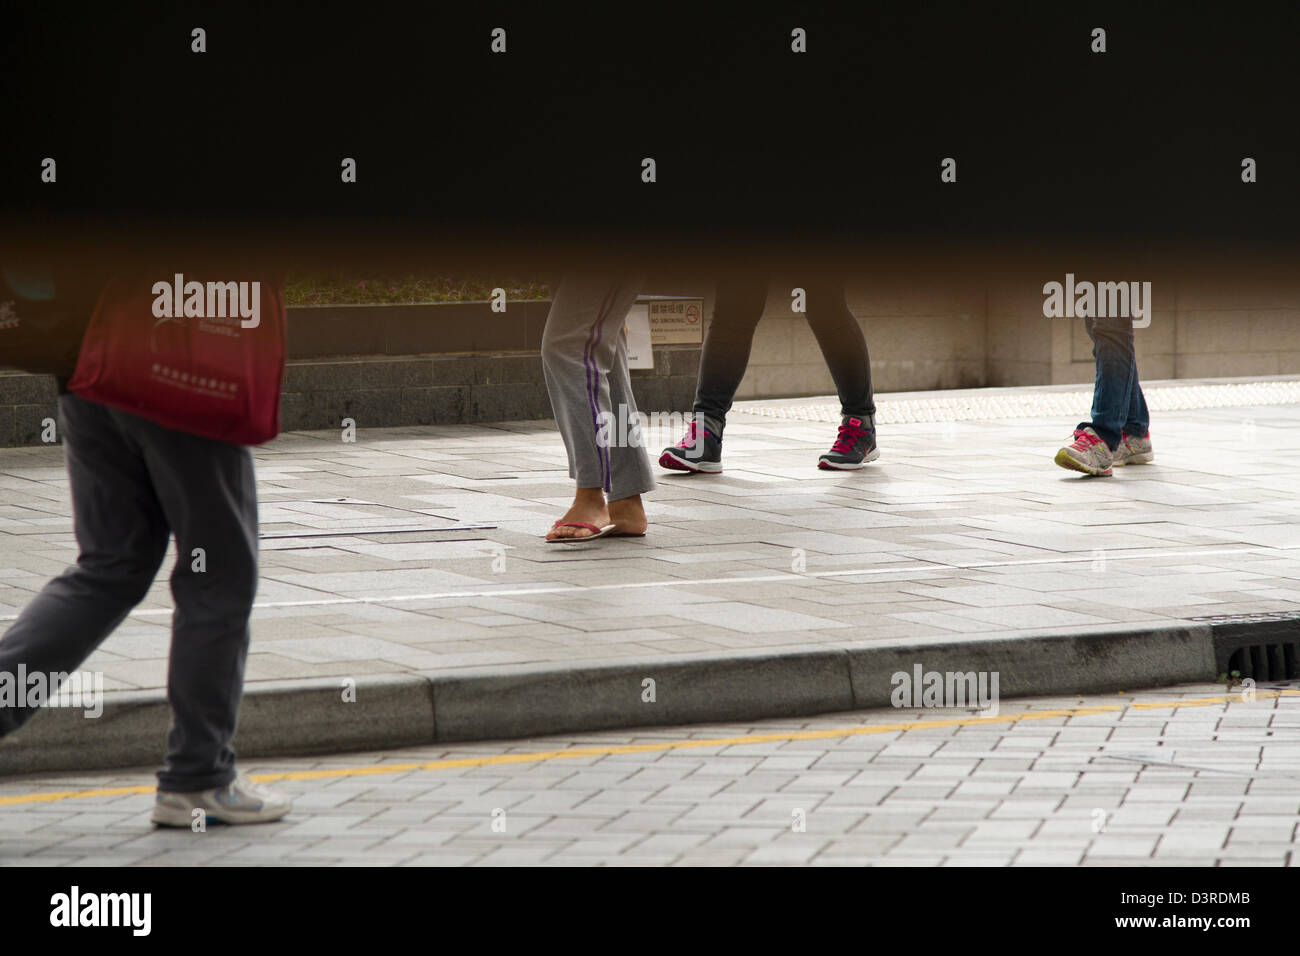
[825, 465]
[673, 463]
[176, 817]
[170, 817]
[1065, 461]
[611, 532]
[1145, 458]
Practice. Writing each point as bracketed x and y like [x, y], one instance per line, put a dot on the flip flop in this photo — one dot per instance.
[609, 531]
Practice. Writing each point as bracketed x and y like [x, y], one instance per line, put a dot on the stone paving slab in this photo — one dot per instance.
[417, 551]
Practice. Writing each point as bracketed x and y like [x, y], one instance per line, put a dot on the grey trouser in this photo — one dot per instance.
[584, 354]
[135, 483]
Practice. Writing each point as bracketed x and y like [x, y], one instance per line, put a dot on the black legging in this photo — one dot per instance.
[739, 306]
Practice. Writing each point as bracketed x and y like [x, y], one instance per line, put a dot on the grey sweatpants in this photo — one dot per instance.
[584, 355]
[134, 484]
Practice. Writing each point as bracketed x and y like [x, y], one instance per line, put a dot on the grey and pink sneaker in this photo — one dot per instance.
[1134, 451]
[1086, 453]
[855, 446]
[699, 451]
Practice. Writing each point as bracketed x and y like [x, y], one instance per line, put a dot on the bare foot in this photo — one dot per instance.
[588, 507]
[628, 515]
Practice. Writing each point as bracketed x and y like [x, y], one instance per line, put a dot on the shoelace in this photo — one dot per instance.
[1084, 440]
[689, 439]
[849, 436]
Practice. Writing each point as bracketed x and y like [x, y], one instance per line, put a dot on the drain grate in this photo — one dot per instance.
[1263, 646]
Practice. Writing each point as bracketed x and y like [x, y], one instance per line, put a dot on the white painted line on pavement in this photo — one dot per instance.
[784, 577]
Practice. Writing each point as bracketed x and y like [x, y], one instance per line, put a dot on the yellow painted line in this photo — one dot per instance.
[71, 794]
[1206, 701]
[573, 753]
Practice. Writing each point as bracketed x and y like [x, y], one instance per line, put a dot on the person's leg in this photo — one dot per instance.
[630, 471]
[845, 349]
[1092, 447]
[580, 352]
[122, 537]
[1139, 419]
[208, 493]
[1135, 443]
[1116, 380]
[738, 306]
[724, 356]
[843, 346]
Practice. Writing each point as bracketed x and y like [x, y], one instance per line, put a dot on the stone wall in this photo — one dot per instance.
[923, 333]
[1200, 328]
[379, 391]
[918, 339]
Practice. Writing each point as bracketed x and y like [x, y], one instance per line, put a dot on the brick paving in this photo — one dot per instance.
[1136, 781]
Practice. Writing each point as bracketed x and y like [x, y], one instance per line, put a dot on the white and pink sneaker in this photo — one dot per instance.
[1134, 451]
[1086, 453]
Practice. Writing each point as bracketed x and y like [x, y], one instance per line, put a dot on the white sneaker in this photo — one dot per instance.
[241, 802]
[1134, 451]
[1086, 453]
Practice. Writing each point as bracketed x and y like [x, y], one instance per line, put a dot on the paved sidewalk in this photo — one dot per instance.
[419, 551]
[1183, 776]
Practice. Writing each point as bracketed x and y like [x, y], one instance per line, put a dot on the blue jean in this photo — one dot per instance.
[1118, 405]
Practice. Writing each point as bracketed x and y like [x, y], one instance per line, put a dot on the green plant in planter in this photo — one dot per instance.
[338, 289]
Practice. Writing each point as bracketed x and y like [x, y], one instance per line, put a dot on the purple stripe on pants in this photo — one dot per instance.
[593, 379]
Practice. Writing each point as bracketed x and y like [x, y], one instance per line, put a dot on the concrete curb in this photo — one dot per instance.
[532, 701]
[1104, 659]
[302, 717]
